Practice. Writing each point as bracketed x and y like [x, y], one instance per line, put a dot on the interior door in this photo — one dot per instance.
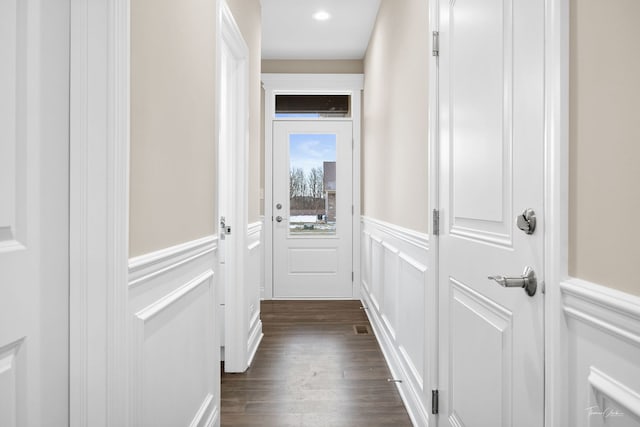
[491, 170]
[34, 213]
[232, 193]
[312, 225]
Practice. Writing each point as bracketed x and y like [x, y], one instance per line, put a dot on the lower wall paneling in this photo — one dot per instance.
[397, 291]
[603, 355]
[175, 360]
[255, 283]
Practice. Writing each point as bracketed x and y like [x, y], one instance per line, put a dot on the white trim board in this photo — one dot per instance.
[556, 196]
[99, 209]
[351, 84]
[614, 312]
[146, 267]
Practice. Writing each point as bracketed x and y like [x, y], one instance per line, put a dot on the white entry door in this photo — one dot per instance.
[34, 213]
[491, 170]
[312, 194]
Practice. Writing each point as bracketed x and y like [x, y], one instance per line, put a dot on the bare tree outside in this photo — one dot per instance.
[306, 191]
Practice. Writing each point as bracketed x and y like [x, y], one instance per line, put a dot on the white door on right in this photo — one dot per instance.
[491, 70]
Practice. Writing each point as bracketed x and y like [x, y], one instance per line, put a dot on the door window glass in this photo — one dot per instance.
[312, 184]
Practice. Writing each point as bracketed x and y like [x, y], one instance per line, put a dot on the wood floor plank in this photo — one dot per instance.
[312, 369]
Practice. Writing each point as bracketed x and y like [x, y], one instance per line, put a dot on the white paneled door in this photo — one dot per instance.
[491, 74]
[312, 194]
[34, 213]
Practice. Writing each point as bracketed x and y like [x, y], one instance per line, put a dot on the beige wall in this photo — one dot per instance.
[394, 158]
[173, 113]
[605, 143]
[355, 66]
[248, 16]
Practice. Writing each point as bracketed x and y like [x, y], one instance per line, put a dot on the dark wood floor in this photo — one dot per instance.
[313, 370]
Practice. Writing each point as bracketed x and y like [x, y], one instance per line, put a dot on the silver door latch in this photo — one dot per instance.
[527, 281]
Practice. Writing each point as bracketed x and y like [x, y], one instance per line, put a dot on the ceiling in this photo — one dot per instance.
[290, 32]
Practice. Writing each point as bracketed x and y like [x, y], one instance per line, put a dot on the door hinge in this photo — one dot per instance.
[434, 402]
[352, 276]
[435, 43]
[353, 210]
[436, 222]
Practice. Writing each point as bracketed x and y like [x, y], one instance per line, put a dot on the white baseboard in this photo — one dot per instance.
[255, 337]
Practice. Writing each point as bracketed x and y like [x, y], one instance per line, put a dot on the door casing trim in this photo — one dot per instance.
[350, 84]
[99, 213]
[236, 322]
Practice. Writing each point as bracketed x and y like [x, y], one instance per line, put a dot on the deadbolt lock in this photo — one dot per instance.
[526, 221]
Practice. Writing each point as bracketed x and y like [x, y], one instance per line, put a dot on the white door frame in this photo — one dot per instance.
[274, 84]
[556, 196]
[99, 211]
[235, 191]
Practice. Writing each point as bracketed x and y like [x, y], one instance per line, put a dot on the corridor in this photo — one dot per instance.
[312, 369]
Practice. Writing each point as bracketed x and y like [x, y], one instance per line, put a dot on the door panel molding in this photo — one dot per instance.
[492, 324]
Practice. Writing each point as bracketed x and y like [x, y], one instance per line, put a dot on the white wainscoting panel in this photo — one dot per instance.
[12, 380]
[255, 285]
[398, 295]
[603, 355]
[175, 359]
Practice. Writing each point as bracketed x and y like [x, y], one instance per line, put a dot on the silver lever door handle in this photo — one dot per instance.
[527, 281]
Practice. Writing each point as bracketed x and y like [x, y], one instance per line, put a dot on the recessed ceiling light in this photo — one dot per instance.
[321, 15]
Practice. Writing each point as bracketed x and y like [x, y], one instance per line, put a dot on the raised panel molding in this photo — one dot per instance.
[158, 321]
[603, 354]
[394, 281]
[606, 388]
[487, 222]
[14, 120]
[480, 324]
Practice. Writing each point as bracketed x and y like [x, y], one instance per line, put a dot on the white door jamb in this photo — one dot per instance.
[236, 322]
